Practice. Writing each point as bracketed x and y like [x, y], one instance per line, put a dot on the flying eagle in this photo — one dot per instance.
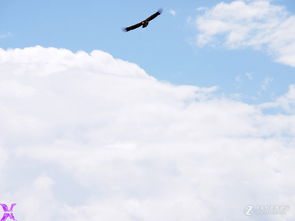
[143, 23]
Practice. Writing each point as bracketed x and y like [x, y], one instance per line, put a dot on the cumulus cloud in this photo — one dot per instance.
[285, 102]
[90, 136]
[258, 24]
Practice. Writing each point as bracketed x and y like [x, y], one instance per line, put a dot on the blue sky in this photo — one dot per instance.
[167, 49]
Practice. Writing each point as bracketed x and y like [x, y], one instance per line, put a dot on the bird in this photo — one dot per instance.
[143, 23]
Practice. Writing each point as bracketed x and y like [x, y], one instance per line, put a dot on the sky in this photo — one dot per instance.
[191, 118]
[167, 50]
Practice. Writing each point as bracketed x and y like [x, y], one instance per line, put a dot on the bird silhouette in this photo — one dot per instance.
[143, 23]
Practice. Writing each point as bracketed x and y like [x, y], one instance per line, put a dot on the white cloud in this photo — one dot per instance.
[3, 160]
[285, 102]
[89, 136]
[265, 83]
[239, 79]
[172, 12]
[201, 8]
[258, 24]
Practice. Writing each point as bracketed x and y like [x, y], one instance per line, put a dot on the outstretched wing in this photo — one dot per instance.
[154, 15]
[132, 27]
